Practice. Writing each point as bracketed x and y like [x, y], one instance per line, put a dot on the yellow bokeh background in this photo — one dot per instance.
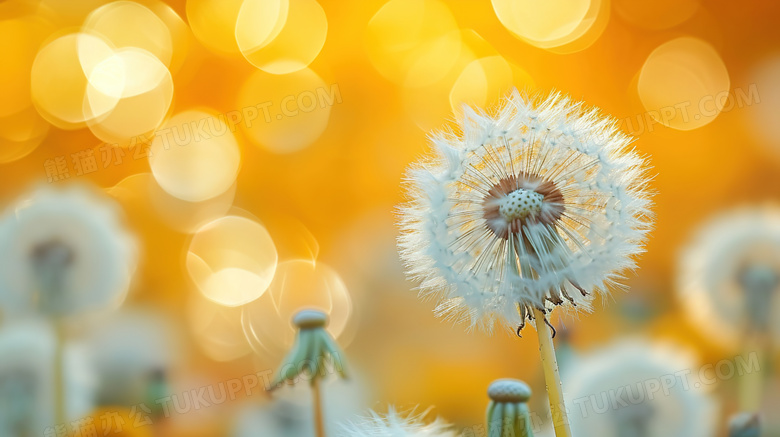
[343, 101]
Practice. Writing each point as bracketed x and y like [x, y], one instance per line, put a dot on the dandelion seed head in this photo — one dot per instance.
[614, 389]
[729, 275]
[65, 252]
[540, 203]
[395, 425]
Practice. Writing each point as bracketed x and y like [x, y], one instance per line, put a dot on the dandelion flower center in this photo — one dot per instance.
[519, 204]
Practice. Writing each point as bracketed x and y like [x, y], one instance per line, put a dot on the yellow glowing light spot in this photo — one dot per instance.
[217, 329]
[586, 33]
[294, 113]
[298, 284]
[259, 22]
[232, 260]
[20, 134]
[413, 42]
[195, 156]
[214, 24]
[656, 15]
[129, 24]
[684, 84]
[482, 81]
[59, 80]
[295, 45]
[144, 89]
[179, 31]
[544, 24]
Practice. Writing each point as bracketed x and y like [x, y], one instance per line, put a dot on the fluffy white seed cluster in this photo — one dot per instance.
[396, 425]
[729, 275]
[540, 203]
[64, 251]
[638, 387]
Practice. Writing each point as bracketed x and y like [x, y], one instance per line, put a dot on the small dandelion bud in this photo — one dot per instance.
[313, 353]
[507, 413]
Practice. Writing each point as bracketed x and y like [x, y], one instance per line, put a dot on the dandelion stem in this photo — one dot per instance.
[552, 377]
[319, 427]
[59, 373]
[751, 384]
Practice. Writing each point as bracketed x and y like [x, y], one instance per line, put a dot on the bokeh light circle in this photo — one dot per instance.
[259, 22]
[293, 109]
[481, 82]
[288, 40]
[195, 156]
[547, 24]
[298, 284]
[232, 260]
[684, 83]
[60, 78]
[217, 329]
[129, 24]
[143, 89]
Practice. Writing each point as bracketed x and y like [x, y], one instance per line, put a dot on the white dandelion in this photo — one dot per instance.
[639, 388]
[64, 252]
[729, 275]
[394, 424]
[729, 284]
[541, 203]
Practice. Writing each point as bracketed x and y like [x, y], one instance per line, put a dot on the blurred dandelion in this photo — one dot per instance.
[64, 252]
[730, 271]
[289, 413]
[626, 371]
[394, 424]
[539, 204]
[132, 353]
[728, 281]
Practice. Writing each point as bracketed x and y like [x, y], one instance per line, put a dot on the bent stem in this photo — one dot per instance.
[552, 377]
[319, 427]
